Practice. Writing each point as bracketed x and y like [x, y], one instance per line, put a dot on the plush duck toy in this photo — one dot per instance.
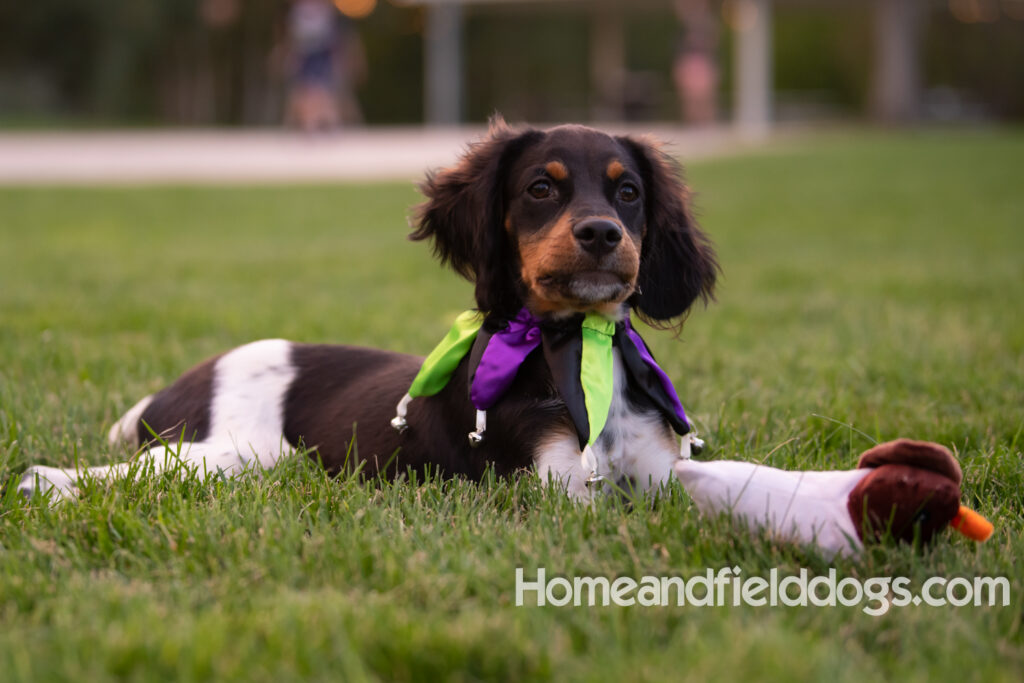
[903, 488]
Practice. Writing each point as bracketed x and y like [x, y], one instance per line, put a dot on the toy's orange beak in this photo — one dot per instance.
[971, 524]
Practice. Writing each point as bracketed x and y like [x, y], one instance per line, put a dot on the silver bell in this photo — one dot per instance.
[696, 445]
[399, 424]
[476, 438]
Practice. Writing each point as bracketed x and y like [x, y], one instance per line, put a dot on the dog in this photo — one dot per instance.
[559, 222]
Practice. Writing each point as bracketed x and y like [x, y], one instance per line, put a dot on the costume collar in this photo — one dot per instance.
[578, 352]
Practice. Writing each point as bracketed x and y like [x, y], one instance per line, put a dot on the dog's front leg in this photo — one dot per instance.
[651, 456]
[558, 460]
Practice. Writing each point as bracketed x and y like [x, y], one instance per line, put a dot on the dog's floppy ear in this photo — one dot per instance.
[677, 261]
[464, 212]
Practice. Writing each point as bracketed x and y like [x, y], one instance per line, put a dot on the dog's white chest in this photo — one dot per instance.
[634, 445]
[634, 448]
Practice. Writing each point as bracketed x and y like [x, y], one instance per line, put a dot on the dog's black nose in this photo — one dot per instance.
[598, 235]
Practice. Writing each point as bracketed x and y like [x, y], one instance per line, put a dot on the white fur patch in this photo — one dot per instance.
[249, 387]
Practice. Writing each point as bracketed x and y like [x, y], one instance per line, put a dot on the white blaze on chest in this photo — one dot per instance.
[640, 446]
[633, 444]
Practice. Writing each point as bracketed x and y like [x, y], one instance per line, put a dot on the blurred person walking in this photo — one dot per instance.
[325, 63]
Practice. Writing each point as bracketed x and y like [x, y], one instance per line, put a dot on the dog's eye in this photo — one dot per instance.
[628, 192]
[540, 189]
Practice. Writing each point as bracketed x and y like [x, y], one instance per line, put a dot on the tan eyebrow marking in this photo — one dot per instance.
[615, 169]
[557, 170]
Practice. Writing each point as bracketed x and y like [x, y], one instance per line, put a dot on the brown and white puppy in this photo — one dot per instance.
[561, 221]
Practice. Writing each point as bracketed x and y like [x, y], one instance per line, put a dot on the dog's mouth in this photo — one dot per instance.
[587, 287]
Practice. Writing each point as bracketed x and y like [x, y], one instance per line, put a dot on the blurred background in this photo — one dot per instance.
[732, 69]
[235, 62]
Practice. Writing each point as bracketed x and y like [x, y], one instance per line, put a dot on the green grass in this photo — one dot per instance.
[872, 290]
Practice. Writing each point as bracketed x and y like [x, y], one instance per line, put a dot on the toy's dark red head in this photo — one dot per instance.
[912, 492]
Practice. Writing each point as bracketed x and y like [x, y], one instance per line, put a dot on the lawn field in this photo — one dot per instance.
[872, 289]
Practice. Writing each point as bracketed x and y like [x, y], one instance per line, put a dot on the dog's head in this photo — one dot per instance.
[569, 220]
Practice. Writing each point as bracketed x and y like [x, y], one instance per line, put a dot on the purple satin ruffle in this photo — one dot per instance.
[505, 352]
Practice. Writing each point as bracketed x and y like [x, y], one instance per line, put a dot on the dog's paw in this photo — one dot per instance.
[52, 481]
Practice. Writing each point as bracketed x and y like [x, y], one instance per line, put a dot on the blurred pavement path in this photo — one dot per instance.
[270, 156]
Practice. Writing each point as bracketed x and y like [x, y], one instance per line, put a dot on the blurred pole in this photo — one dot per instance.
[752, 75]
[442, 46]
[896, 69]
[607, 63]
